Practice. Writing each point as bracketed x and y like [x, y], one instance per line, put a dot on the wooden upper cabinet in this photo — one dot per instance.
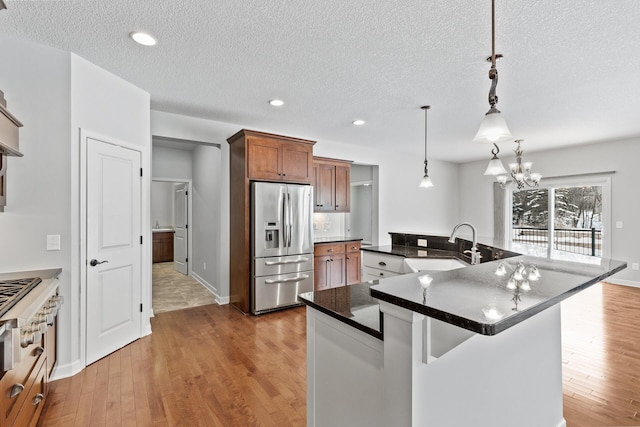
[272, 159]
[332, 185]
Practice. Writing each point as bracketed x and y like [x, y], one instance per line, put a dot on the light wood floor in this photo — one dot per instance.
[212, 366]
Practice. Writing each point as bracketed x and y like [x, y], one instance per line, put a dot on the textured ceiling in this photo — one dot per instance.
[571, 72]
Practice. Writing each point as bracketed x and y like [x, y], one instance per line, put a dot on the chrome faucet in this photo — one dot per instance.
[475, 255]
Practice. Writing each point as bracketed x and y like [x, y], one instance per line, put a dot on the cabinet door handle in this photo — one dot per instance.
[348, 258]
[382, 263]
[330, 250]
[382, 274]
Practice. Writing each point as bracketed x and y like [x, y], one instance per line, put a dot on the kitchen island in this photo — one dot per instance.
[478, 345]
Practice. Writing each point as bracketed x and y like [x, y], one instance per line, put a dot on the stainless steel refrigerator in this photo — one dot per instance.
[281, 244]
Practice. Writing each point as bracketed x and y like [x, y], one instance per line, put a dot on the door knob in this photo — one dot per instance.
[95, 262]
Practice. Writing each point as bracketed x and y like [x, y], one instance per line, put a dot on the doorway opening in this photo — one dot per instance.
[185, 206]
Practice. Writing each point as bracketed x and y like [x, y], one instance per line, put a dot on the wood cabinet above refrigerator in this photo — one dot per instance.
[276, 158]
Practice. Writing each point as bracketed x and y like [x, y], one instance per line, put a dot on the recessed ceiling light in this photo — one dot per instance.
[277, 102]
[358, 122]
[143, 38]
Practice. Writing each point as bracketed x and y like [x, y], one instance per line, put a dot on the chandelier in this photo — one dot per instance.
[493, 127]
[520, 171]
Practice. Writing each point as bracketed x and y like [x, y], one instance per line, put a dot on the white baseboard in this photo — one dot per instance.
[220, 300]
[66, 371]
[623, 282]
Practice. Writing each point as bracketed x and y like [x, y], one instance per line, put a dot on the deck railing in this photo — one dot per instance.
[585, 241]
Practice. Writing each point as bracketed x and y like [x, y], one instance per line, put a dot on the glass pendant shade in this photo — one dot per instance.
[426, 182]
[493, 128]
[495, 167]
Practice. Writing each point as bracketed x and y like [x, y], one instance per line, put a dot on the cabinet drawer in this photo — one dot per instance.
[384, 262]
[376, 273]
[352, 246]
[328, 249]
[34, 402]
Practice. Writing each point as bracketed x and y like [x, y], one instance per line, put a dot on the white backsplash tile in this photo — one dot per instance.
[329, 224]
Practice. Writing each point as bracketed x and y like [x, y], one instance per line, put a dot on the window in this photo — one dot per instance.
[566, 218]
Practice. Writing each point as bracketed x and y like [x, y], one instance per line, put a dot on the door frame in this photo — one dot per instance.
[145, 258]
[189, 215]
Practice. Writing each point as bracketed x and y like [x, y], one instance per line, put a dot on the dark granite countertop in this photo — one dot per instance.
[413, 252]
[335, 239]
[351, 304]
[480, 299]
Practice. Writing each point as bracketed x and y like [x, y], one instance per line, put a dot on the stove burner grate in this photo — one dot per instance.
[12, 291]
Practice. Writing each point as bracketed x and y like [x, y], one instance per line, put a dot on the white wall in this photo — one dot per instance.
[36, 83]
[476, 199]
[171, 163]
[207, 210]
[162, 204]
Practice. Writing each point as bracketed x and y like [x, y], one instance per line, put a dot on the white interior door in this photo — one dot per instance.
[180, 195]
[113, 248]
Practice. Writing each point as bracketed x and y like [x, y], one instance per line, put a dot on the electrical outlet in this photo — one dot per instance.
[53, 242]
[422, 242]
[618, 224]
[635, 266]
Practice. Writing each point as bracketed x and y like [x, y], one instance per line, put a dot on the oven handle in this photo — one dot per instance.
[291, 279]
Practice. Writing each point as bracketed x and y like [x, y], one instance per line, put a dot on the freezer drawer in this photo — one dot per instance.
[282, 265]
[273, 292]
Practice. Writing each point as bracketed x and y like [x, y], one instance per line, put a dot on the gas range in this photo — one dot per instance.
[12, 291]
[29, 302]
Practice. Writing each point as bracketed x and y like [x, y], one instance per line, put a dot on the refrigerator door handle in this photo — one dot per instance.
[291, 219]
[285, 220]
[291, 279]
[295, 261]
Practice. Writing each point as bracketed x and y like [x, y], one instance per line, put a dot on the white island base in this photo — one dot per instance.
[429, 373]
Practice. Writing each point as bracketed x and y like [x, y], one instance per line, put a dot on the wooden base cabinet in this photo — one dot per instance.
[336, 264]
[331, 185]
[257, 156]
[163, 246]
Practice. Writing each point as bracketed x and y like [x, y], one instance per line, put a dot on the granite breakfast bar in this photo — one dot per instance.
[478, 345]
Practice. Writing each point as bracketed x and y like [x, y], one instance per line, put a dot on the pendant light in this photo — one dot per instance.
[493, 127]
[426, 181]
[495, 166]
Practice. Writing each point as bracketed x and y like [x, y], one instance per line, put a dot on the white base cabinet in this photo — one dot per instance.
[430, 373]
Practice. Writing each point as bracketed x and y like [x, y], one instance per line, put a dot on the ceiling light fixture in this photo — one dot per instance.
[426, 181]
[277, 102]
[358, 122]
[493, 127]
[520, 171]
[143, 38]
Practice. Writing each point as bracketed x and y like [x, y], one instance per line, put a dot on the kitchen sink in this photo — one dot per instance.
[415, 265]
